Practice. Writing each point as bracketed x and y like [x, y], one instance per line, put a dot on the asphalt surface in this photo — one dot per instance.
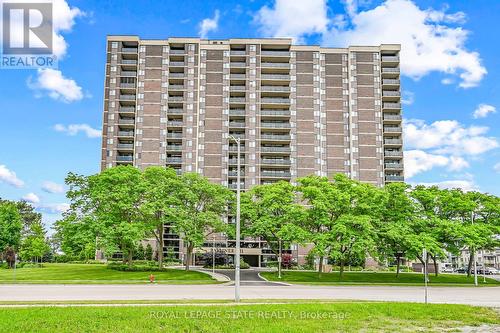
[483, 296]
[248, 277]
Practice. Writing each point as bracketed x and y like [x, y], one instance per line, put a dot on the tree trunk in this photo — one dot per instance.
[189, 254]
[398, 265]
[436, 270]
[320, 266]
[426, 277]
[469, 266]
[341, 268]
[129, 259]
[159, 247]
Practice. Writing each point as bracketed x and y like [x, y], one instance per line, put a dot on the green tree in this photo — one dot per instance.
[139, 253]
[35, 245]
[148, 253]
[10, 227]
[272, 213]
[160, 203]
[76, 235]
[202, 208]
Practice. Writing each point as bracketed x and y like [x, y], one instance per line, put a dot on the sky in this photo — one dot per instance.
[51, 119]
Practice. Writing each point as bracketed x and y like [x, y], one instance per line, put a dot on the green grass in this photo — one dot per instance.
[98, 274]
[380, 278]
[314, 317]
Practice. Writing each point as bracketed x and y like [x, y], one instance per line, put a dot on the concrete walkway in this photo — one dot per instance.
[484, 296]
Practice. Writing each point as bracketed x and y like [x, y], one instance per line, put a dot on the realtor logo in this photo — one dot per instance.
[27, 35]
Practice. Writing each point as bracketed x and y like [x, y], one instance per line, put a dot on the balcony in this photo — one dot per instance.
[237, 88]
[275, 77]
[125, 146]
[127, 134]
[177, 51]
[176, 75]
[129, 49]
[275, 161]
[175, 98]
[127, 109]
[271, 100]
[284, 65]
[235, 173]
[390, 82]
[174, 148]
[393, 142]
[275, 137]
[174, 160]
[275, 174]
[238, 135]
[176, 64]
[390, 72]
[176, 87]
[124, 158]
[127, 85]
[395, 129]
[127, 97]
[236, 64]
[275, 149]
[128, 62]
[174, 135]
[396, 117]
[173, 123]
[267, 112]
[237, 99]
[393, 166]
[237, 76]
[128, 73]
[275, 88]
[234, 161]
[274, 125]
[393, 153]
[235, 186]
[124, 121]
[394, 106]
[238, 52]
[391, 93]
[175, 111]
[275, 53]
[235, 148]
[390, 59]
[237, 112]
[394, 178]
[236, 124]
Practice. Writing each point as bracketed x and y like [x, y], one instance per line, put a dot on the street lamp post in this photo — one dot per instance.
[237, 253]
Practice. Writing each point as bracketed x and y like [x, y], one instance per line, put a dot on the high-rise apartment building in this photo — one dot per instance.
[298, 110]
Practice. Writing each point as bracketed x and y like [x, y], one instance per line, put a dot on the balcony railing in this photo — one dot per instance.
[127, 109]
[174, 123]
[235, 161]
[235, 148]
[392, 106]
[393, 141]
[175, 111]
[128, 62]
[238, 64]
[390, 58]
[393, 153]
[270, 100]
[176, 87]
[176, 160]
[393, 166]
[275, 88]
[125, 146]
[129, 49]
[274, 125]
[128, 73]
[236, 124]
[390, 69]
[127, 85]
[390, 82]
[275, 174]
[391, 93]
[237, 88]
[392, 117]
[175, 51]
[176, 63]
[174, 147]
[127, 97]
[266, 112]
[238, 135]
[237, 99]
[392, 129]
[124, 158]
[174, 135]
[275, 53]
[235, 186]
[126, 121]
[394, 178]
[176, 74]
[274, 137]
[275, 77]
[238, 52]
[275, 149]
[238, 76]
[275, 161]
[126, 133]
[275, 64]
[235, 174]
[237, 112]
[175, 98]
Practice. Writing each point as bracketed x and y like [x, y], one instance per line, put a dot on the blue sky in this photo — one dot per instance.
[51, 119]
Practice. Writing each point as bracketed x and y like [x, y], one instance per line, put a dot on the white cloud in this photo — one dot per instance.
[417, 161]
[64, 19]
[74, 129]
[51, 187]
[465, 185]
[457, 163]
[32, 198]
[496, 167]
[209, 24]
[408, 98]
[9, 177]
[431, 40]
[58, 87]
[55, 208]
[448, 137]
[483, 110]
[294, 19]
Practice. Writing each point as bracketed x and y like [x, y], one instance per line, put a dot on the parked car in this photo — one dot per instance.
[493, 271]
[461, 270]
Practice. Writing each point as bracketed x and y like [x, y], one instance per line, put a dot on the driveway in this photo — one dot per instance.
[248, 277]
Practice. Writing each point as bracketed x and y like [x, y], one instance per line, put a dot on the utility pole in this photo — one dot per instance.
[213, 254]
[279, 259]
[237, 253]
[474, 254]
[424, 256]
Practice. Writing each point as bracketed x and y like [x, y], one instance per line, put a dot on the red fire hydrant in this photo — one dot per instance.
[152, 278]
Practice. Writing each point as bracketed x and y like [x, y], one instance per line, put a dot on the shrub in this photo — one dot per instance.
[135, 268]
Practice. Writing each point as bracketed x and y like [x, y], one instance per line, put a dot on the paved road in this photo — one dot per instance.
[485, 296]
[248, 277]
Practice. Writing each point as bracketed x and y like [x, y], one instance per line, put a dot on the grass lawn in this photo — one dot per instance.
[313, 317]
[98, 274]
[366, 278]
